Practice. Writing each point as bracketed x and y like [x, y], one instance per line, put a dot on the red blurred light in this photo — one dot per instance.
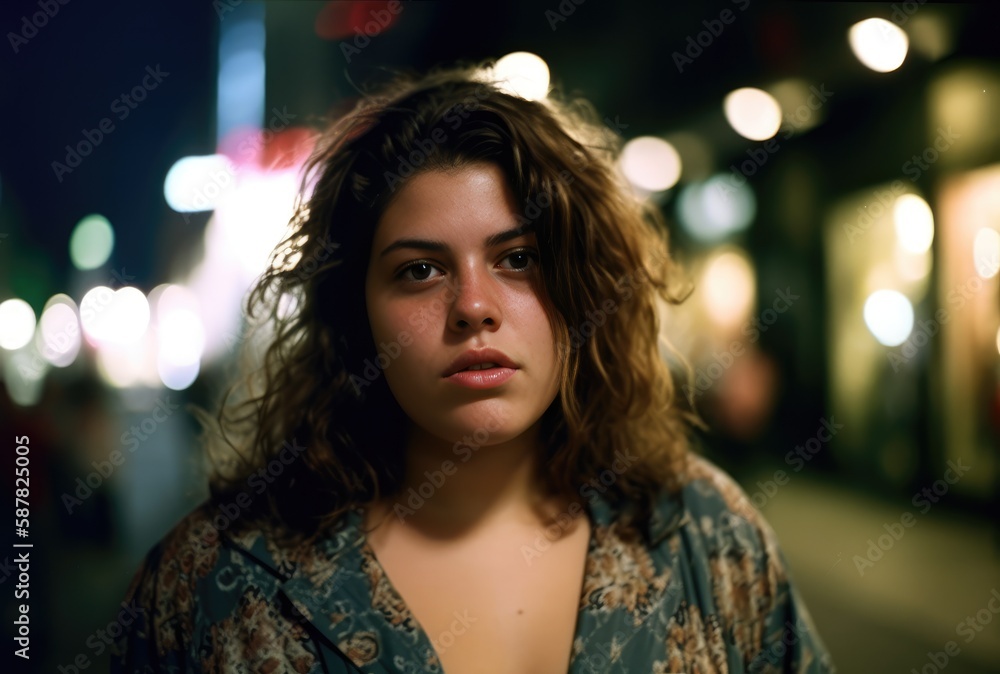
[263, 149]
[342, 20]
[288, 148]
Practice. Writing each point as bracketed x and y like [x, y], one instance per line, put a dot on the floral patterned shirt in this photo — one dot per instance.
[711, 594]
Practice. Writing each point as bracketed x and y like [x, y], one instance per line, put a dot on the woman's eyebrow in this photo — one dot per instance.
[437, 246]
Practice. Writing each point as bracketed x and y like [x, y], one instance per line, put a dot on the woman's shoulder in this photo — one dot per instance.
[733, 550]
[191, 546]
[190, 549]
[727, 525]
[209, 576]
[207, 539]
[167, 579]
[709, 491]
[704, 500]
[163, 591]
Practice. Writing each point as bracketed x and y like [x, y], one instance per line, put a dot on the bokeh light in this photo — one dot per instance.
[128, 365]
[913, 267]
[650, 163]
[729, 287]
[114, 317]
[986, 252]
[717, 208]
[178, 377]
[242, 69]
[801, 108]
[59, 333]
[197, 183]
[753, 113]
[181, 333]
[889, 317]
[356, 22]
[914, 223]
[879, 44]
[17, 324]
[91, 242]
[249, 225]
[24, 373]
[930, 35]
[522, 74]
[696, 157]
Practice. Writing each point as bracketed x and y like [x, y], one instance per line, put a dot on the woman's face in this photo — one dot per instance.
[450, 273]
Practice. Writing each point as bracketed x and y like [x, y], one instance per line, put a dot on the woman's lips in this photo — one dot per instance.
[482, 379]
[483, 356]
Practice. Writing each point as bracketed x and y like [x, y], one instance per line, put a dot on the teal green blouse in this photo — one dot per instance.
[709, 592]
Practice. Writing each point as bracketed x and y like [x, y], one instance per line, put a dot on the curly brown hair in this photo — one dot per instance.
[604, 263]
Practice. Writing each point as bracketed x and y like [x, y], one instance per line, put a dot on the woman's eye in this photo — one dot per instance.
[521, 260]
[418, 271]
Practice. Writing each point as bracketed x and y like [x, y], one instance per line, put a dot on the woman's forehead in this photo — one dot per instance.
[474, 196]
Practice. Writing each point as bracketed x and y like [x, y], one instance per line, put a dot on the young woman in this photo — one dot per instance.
[464, 450]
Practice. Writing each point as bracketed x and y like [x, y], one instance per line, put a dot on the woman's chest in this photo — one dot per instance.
[505, 604]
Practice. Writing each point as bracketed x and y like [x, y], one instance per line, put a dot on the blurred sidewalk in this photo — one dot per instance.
[910, 602]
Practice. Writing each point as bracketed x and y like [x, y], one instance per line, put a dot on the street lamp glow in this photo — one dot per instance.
[17, 324]
[879, 44]
[914, 223]
[889, 317]
[753, 113]
[91, 242]
[523, 74]
[651, 163]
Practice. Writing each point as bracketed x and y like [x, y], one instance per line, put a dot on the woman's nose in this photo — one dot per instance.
[476, 302]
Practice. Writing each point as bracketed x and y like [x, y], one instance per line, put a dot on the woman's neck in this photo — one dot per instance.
[450, 490]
